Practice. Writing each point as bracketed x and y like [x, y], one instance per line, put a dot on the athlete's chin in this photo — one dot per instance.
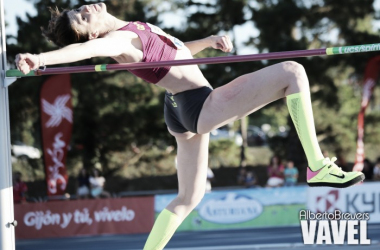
[103, 7]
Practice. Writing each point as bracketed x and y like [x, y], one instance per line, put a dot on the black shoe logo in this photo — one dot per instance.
[338, 176]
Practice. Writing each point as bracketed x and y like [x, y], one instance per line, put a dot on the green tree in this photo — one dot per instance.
[300, 24]
[118, 119]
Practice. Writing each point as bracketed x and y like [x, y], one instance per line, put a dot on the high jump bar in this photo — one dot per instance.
[210, 60]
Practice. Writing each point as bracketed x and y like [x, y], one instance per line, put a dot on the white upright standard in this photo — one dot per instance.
[7, 232]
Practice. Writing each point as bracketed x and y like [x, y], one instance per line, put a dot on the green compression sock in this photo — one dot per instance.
[299, 105]
[163, 229]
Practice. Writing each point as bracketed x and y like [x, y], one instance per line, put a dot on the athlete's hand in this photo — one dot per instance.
[27, 62]
[221, 42]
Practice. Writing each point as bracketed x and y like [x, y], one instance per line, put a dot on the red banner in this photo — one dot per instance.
[370, 77]
[56, 123]
[84, 217]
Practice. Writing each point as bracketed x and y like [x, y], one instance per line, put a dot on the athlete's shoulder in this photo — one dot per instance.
[113, 34]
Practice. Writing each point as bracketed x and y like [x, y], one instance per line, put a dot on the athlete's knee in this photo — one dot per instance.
[294, 69]
[295, 73]
[192, 199]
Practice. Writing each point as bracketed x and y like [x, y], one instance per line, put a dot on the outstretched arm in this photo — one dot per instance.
[217, 42]
[99, 47]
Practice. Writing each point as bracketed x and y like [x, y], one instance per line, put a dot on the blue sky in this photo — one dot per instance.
[15, 8]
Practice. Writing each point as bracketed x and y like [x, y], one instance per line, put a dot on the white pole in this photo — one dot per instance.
[7, 232]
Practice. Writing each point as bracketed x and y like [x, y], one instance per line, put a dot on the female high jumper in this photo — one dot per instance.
[192, 107]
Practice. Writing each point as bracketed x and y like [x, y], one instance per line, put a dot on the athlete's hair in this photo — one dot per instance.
[60, 30]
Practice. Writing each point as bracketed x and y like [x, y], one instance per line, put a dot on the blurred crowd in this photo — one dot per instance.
[89, 186]
[279, 173]
[371, 170]
[285, 173]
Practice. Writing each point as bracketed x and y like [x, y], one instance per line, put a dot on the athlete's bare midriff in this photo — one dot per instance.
[179, 78]
[182, 78]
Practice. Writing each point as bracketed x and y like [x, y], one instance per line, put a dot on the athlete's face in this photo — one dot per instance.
[88, 19]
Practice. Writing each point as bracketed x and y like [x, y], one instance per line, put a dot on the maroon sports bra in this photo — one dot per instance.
[157, 46]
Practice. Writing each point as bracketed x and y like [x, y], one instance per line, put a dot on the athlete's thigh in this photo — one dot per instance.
[192, 162]
[241, 97]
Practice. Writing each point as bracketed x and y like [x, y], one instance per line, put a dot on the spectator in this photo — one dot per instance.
[376, 170]
[19, 188]
[210, 177]
[250, 179]
[242, 176]
[97, 185]
[291, 174]
[83, 190]
[275, 172]
[368, 169]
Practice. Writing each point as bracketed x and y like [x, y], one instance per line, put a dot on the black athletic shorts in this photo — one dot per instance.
[182, 110]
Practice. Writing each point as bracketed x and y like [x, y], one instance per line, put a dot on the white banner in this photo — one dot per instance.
[364, 198]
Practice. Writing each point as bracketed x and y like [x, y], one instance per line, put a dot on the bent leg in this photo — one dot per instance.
[250, 92]
[192, 161]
